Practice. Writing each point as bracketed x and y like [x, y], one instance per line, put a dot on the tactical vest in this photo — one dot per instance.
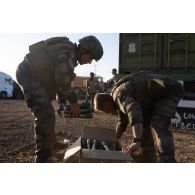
[42, 59]
[146, 85]
[43, 47]
[43, 44]
[136, 78]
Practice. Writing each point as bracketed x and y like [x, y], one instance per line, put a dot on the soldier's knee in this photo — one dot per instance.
[160, 122]
[45, 115]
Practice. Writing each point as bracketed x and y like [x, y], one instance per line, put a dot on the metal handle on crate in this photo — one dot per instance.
[105, 145]
[88, 144]
[94, 145]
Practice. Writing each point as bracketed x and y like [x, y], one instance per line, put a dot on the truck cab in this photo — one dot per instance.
[6, 86]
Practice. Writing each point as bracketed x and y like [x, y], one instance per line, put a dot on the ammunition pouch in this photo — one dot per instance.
[164, 87]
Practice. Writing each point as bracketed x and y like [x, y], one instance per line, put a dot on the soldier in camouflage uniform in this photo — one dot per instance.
[47, 70]
[116, 77]
[91, 88]
[146, 102]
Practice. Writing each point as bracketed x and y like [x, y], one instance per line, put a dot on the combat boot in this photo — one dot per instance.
[59, 145]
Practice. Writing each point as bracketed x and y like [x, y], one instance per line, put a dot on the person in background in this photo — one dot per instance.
[47, 70]
[91, 88]
[115, 78]
[146, 102]
[115, 75]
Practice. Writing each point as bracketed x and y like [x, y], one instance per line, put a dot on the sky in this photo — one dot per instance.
[14, 46]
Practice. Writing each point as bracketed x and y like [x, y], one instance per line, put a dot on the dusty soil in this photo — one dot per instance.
[17, 142]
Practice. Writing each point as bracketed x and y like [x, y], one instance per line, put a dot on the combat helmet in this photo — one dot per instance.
[92, 44]
[92, 74]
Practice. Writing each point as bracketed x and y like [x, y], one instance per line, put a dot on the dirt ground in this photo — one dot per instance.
[17, 143]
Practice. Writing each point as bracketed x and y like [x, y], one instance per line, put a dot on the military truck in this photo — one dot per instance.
[172, 54]
[80, 83]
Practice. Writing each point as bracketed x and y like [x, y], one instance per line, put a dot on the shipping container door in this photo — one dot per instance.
[178, 52]
[140, 51]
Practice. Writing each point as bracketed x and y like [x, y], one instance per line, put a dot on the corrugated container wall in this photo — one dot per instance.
[170, 53]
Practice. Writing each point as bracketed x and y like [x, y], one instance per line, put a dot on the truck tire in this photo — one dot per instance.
[3, 94]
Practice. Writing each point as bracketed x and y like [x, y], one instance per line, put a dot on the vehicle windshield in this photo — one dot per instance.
[8, 81]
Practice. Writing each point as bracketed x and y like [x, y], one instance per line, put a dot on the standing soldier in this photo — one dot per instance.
[92, 86]
[47, 70]
[115, 77]
[147, 102]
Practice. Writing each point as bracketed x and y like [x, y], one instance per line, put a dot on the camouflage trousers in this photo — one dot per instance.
[44, 123]
[90, 97]
[156, 131]
[39, 102]
[164, 110]
[157, 146]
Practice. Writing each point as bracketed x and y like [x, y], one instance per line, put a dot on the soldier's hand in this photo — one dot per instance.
[133, 148]
[74, 110]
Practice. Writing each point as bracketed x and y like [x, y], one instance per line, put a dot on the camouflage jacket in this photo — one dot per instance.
[51, 63]
[116, 78]
[92, 85]
[145, 88]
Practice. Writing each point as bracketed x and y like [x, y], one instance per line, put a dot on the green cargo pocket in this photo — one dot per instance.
[165, 107]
